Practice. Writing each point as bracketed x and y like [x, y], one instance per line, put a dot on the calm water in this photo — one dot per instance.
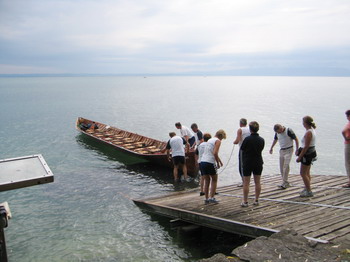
[87, 214]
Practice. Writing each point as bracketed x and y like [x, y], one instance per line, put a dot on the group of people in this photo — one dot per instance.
[250, 158]
[207, 157]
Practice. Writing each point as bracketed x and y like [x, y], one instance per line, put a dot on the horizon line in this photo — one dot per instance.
[167, 74]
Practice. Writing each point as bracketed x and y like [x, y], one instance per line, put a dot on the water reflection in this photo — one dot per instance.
[134, 165]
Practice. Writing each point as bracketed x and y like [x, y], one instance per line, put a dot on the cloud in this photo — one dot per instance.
[91, 35]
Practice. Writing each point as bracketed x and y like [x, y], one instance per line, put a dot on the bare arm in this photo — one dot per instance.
[345, 131]
[308, 137]
[273, 144]
[296, 145]
[187, 147]
[168, 154]
[216, 153]
[238, 137]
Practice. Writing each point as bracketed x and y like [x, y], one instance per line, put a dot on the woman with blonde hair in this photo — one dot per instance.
[307, 154]
[210, 162]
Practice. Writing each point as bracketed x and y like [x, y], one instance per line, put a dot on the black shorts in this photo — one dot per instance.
[191, 141]
[207, 168]
[179, 160]
[308, 159]
[255, 168]
[200, 169]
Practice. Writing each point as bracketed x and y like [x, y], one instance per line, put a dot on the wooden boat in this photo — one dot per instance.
[134, 144]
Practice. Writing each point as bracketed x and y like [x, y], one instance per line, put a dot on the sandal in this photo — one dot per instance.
[346, 186]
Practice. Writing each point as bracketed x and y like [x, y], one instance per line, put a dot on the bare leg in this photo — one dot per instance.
[201, 182]
[206, 182]
[305, 175]
[257, 187]
[176, 173]
[214, 183]
[308, 174]
[246, 182]
[184, 170]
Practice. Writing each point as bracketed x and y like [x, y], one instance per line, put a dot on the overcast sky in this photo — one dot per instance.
[223, 37]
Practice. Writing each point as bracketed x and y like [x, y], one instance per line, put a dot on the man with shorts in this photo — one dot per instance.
[242, 133]
[176, 145]
[252, 162]
[285, 137]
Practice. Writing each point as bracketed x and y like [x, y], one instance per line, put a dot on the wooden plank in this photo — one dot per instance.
[329, 229]
[325, 216]
[326, 221]
[208, 221]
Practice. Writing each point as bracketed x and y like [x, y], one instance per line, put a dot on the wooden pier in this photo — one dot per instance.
[324, 217]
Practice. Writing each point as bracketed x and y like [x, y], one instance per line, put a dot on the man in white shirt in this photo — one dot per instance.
[176, 145]
[242, 133]
[186, 133]
[285, 137]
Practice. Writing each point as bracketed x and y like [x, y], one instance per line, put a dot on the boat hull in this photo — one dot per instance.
[145, 148]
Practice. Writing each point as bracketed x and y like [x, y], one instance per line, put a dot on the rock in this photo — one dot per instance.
[220, 258]
[285, 246]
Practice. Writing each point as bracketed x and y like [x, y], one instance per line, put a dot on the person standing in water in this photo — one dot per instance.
[177, 146]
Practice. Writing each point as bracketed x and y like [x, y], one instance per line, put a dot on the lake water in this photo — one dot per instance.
[87, 213]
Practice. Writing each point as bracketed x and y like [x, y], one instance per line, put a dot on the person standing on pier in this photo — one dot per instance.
[307, 155]
[199, 139]
[176, 145]
[252, 161]
[199, 152]
[242, 133]
[209, 163]
[186, 133]
[285, 137]
[346, 135]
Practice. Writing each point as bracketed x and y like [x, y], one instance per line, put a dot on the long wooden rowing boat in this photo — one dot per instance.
[130, 143]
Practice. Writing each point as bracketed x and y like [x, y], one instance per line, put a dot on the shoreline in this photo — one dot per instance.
[287, 245]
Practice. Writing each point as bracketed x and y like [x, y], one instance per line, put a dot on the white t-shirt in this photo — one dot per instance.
[313, 139]
[245, 133]
[176, 144]
[185, 131]
[201, 148]
[284, 139]
[208, 155]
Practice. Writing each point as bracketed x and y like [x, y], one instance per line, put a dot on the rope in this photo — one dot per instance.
[222, 170]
